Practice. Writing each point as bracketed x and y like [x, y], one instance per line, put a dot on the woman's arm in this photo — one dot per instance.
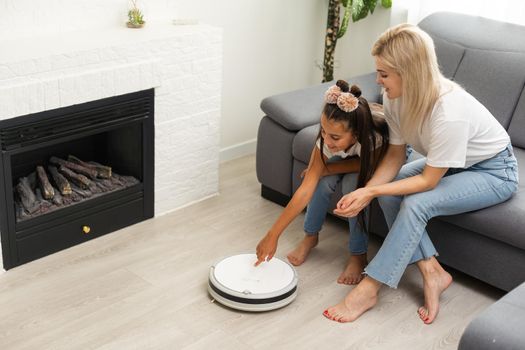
[268, 245]
[359, 199]
[389, 166]
[425, 181]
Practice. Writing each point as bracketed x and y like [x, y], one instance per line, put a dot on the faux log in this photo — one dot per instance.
[47, 190]
[77, 168]
[60, 181]
[103, 171]
[43, 205]
[128, 180]
[75, 197]
[78, 179]
[94, 188]
[58, 200]
[85, 193]
[105, 185]
[27, 196]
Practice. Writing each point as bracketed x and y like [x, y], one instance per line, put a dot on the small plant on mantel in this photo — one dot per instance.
[135, 16]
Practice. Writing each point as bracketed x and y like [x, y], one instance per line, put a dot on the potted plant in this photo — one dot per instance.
[135, 16]
[359, 9]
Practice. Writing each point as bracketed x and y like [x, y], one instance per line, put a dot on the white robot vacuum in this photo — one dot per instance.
[237, 283]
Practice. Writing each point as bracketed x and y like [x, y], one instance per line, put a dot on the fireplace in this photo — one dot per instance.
[115, 134]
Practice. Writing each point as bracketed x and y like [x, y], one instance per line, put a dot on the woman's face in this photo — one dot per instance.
[388, 79]
[335, 135]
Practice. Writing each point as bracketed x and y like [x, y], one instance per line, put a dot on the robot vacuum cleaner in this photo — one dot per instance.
[237, 283]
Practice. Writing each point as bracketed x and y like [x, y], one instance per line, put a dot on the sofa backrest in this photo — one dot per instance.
[487, 58]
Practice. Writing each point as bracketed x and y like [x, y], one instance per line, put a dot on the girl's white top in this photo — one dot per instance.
[354, 150]
[460, 131]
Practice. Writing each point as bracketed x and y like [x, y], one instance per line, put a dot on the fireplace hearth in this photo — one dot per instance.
[73, 174]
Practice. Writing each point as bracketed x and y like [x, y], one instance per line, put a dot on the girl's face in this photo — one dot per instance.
[335, 135]
[388, 79]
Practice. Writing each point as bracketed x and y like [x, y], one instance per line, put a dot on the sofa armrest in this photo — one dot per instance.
[298, 109]
[500, 326]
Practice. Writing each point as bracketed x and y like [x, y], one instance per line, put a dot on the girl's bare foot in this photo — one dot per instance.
[297, 256]
[362, 298]
[353, 272]
[435, 281]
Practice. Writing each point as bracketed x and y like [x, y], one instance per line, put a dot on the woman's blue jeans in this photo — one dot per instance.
[482, 185]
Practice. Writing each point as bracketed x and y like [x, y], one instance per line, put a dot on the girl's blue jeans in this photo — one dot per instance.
[320, 202]
[481, 185]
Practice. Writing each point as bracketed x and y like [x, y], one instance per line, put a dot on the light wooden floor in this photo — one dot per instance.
[144, 287]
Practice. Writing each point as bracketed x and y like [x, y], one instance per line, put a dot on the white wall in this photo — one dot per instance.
[270, 46]
[353, 50]
[512, 11]
[273, 46]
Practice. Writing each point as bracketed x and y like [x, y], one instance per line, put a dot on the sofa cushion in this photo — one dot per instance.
[495, 78]
[304, 142]
[449, 55]
[517, 125]
[297, 109]
[475, 32]
[503, 222]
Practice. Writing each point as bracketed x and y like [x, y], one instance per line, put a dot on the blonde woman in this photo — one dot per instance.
[469, 164]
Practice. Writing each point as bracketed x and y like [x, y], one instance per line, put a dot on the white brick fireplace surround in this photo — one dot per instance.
[182, 63]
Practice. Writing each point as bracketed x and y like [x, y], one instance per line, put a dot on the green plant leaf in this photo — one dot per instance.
[344, 22]
[345, 2]
[359, 10]
[386, 3]
[371, 4]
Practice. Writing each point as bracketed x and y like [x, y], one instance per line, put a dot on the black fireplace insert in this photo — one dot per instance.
[73, 174]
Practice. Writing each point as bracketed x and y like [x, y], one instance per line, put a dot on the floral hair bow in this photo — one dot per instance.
[346, 101]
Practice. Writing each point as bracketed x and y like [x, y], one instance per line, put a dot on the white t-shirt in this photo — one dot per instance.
[354, 150]
[460, 131]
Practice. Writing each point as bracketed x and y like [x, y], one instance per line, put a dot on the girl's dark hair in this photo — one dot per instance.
[370, 132]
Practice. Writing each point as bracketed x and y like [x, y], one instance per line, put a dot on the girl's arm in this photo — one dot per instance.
[268, 245]
[346, 166]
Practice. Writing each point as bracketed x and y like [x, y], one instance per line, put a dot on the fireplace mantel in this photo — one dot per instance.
[182, 63]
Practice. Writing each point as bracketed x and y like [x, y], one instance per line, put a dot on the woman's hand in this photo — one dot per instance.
[266, 249]
[352, 203]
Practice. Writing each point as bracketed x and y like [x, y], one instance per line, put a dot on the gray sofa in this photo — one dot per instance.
[487, 58]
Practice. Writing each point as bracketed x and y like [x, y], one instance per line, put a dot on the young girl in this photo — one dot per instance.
[347, 130]
[469, 165]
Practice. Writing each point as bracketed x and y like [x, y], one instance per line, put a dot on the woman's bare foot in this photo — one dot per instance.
[353, 272]
[297, 256]
[362, 298]
[435, 281]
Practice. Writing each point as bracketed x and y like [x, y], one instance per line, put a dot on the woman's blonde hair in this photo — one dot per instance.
[409, 51]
